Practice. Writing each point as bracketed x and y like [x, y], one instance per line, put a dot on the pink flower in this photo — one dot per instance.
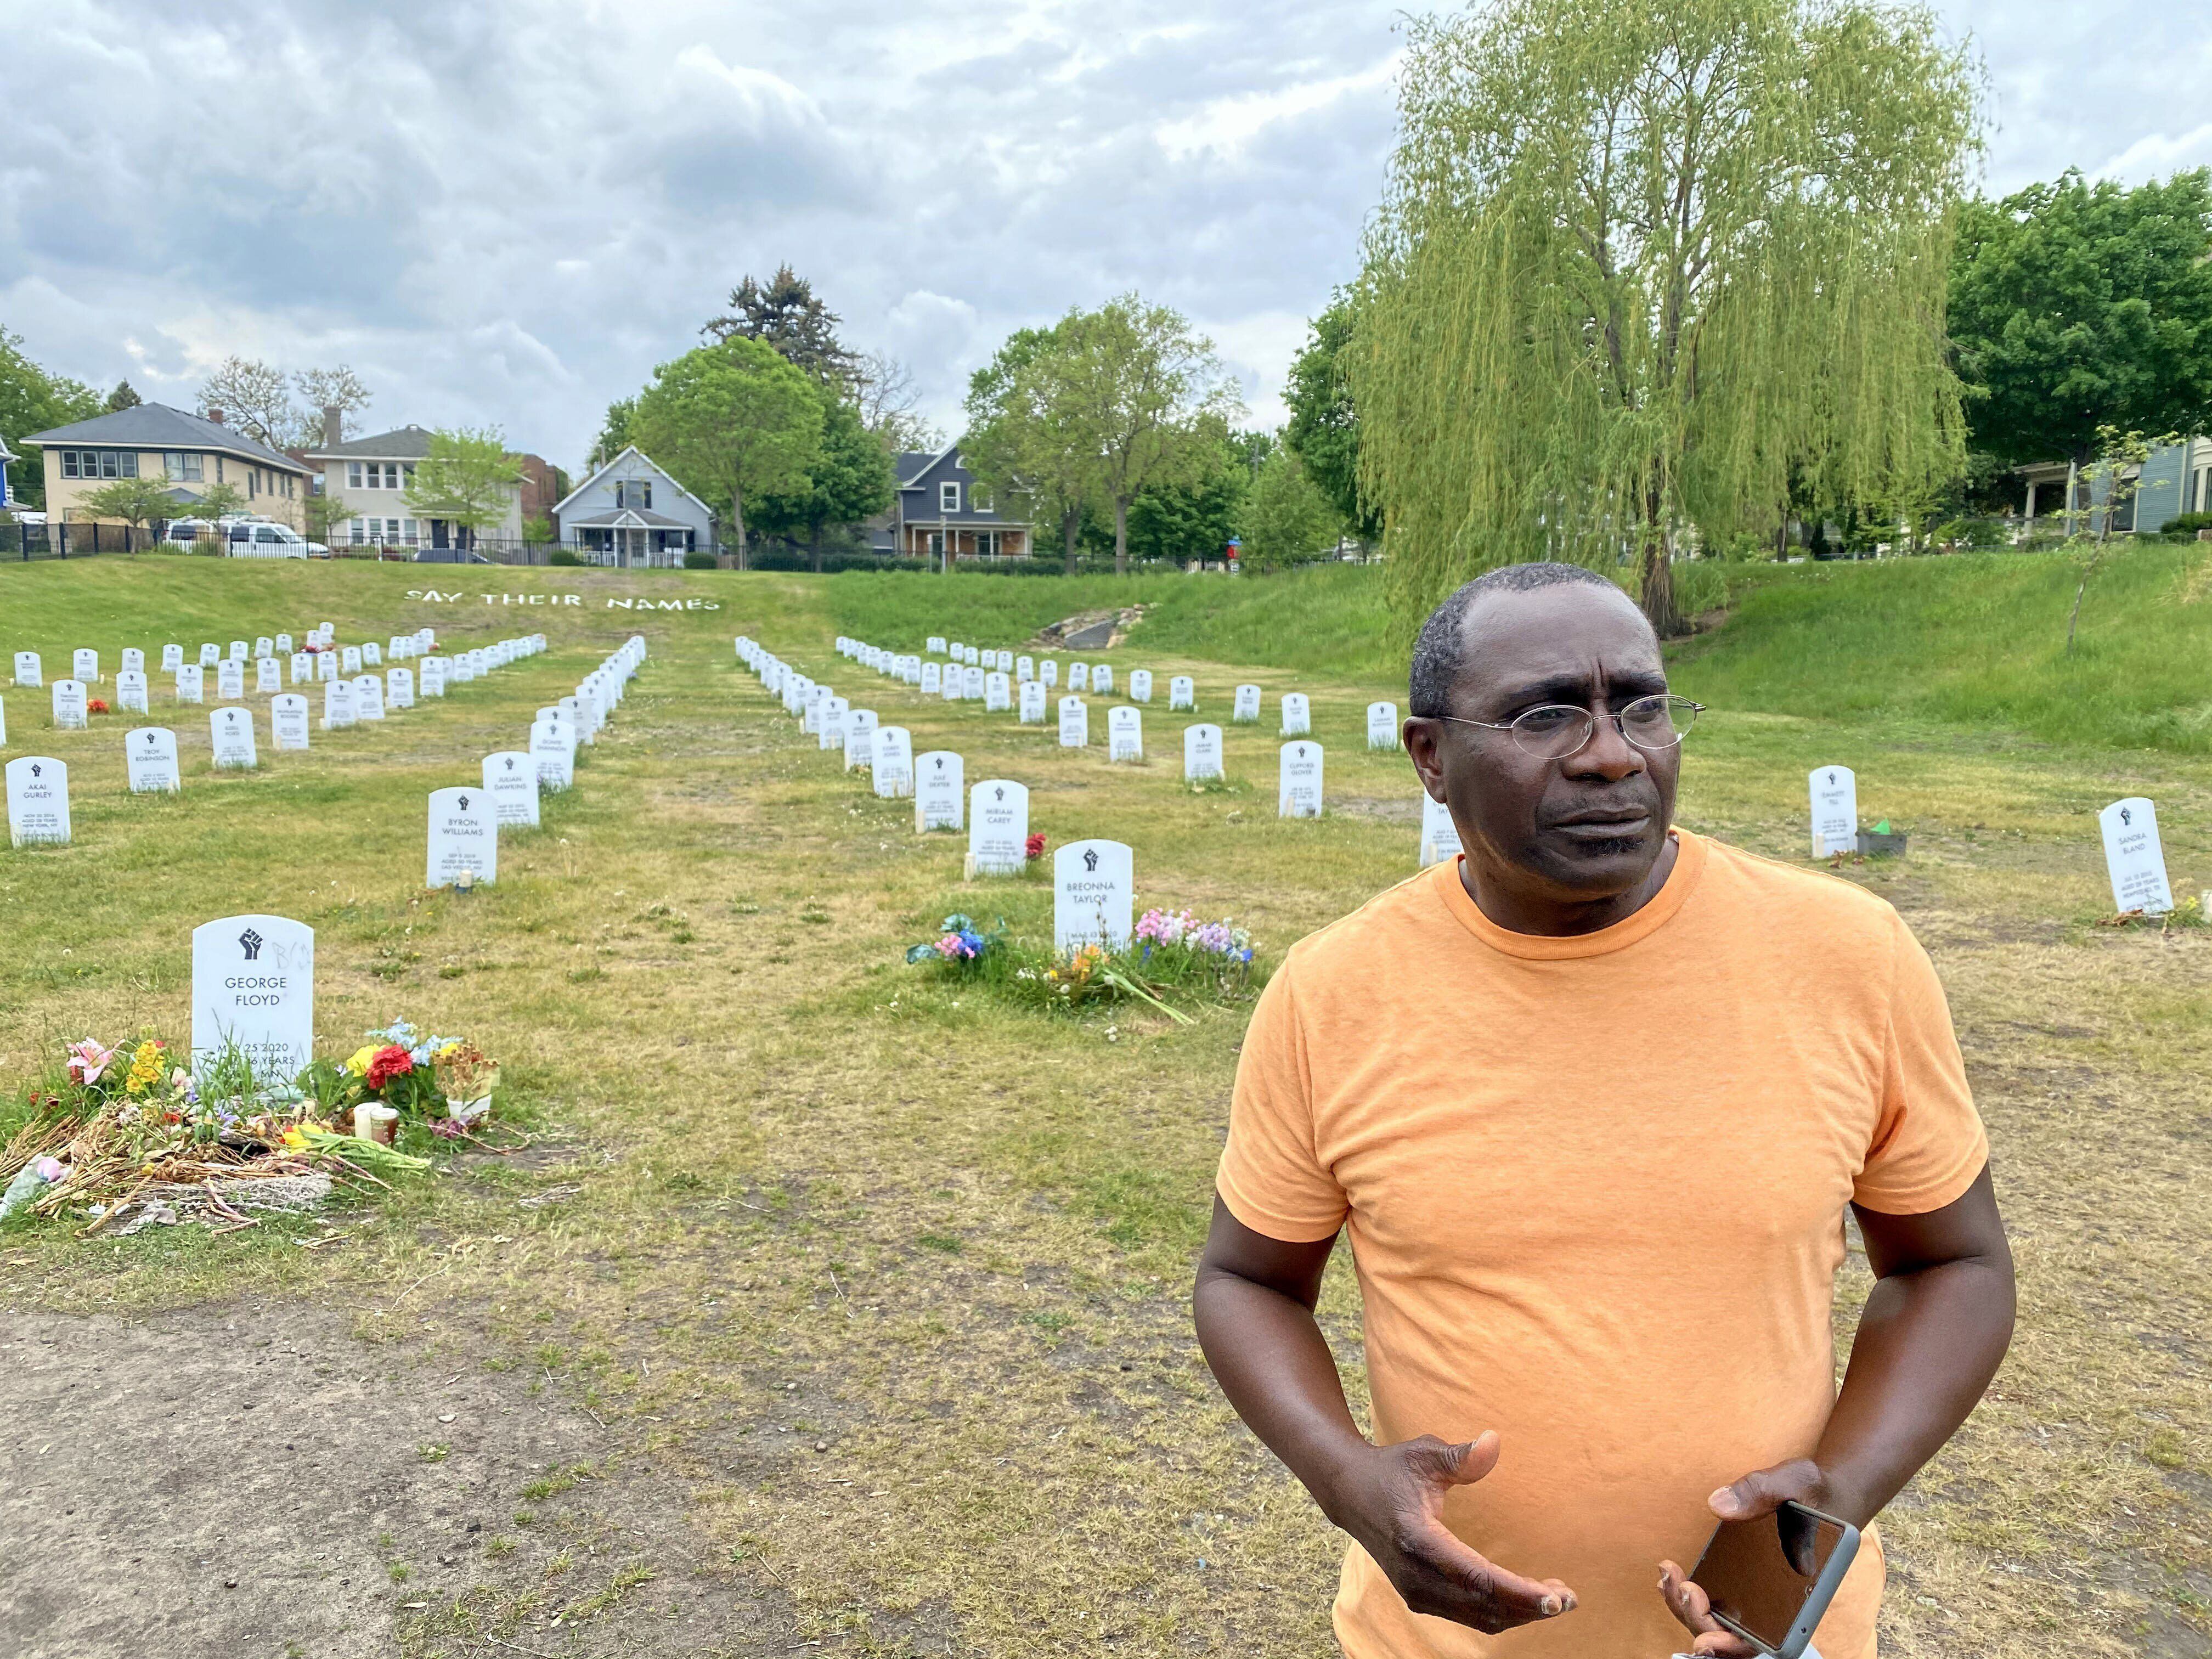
[51, 1169]
[87, 1059]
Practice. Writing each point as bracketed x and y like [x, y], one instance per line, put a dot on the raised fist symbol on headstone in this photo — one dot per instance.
[251, 943]
[464, 803]
[2127, 815]
[1090, 861]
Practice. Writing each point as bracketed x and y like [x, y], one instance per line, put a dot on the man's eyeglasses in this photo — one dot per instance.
[1557, 729]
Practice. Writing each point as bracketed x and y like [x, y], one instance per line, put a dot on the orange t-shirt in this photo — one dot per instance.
[1596, 1188]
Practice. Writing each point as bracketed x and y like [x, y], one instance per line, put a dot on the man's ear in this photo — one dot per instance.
[1423, 739]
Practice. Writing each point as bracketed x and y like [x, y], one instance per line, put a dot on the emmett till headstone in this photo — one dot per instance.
[510, 778]
[937, 791]
[463, 838]
[2133, 857]
[231, 732]
[1835, 796]
[998, 828]
[288, 721]
[253, 990]
[1094, 891]
[150, 761]
[38, 801]
[1125, 734]
[1299, 795]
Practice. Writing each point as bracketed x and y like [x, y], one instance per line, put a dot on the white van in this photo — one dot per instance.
[246, 539]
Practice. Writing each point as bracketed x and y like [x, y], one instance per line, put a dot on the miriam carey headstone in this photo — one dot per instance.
[859, 738]
[510, 778]
[150, 761]
[998, 828]
[130, 690]
[1245, 711]
[1835, 795]
[1183, 693]
[1032, 701]
[229, 679]
[288, 721]
[231, 731]
[1439, 835]
[1381, 725]
[69, 705]
[84, 664]
[894, 768]
[254, 993]
[1094, 891]
[2134, 859]
[937, 791]
[1125, 734]
[1299, 795]
[27, 669]
[38, 801]
[998, 692]
[464, 839]
[1074, 723]
[191, 683]
[268, 678]
[1297, 716]
[1078, 677]
[1201, 753]
[1140, 685]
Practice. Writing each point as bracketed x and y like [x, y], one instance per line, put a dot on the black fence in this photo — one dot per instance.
[72, 541]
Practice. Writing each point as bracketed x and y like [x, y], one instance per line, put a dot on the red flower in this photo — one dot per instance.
[387, 1063]
[97, 705]
[1035, 845]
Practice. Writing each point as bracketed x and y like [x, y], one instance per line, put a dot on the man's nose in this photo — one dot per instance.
[1607, 755]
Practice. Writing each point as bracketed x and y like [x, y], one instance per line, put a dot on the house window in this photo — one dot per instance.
[218, 468]
[948, 498]
[620, 488]
[978, 501]
[111, 465]
[353, 475]
[360, 535]
[184, 467]
[68, 462]
[646, 500]
[407, 475]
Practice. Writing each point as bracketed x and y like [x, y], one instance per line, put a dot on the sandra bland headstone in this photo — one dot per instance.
[254, 993]
[231, 731]
[38, 801]
[1074, 723]
[1125, 734]
[1835, 794]
[2133, 857]
[1094, 892]
[998, 828]
[288, 721]
[1439, 835]
[150, 761]
[510, 778]
[937, 791]
[464, 839]
[1381, 725]
[1299, 795]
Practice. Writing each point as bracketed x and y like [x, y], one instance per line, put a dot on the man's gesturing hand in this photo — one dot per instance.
[1393, 1502]
[1760, 1492]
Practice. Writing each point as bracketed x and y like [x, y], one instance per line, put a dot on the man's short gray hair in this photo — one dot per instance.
[1439, 653]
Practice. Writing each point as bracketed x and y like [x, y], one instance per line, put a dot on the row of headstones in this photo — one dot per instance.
[464, 823]
[264, 652]
[38, 794]
[2135, 862]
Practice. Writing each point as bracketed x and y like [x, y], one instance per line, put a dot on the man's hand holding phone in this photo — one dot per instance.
[1755, 1497]
[1392, 1500]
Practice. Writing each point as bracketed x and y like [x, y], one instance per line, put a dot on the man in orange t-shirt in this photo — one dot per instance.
[1591, 1102]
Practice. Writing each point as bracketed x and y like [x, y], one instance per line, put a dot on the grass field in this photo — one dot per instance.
[786, 1194]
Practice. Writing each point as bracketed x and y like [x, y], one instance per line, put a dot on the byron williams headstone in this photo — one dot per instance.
[1299, 795]
[937, 791]
[1094, 892]
[231, 732]
[149, 758]
[288, 721]
[2134, 859]
[1381, 725]
[998, 828]
[464, 839]
[253, 988]
[38, 801]
[1835, 796]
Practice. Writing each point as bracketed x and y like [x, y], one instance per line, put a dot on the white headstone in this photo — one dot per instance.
[239, 650]
[830, 724]
[1074, 723]
[2133, 857]
[1183, 693]
[4, 726]
[998, 693]
[1005, 662]
[510, 778]
[369, 698]
[973, 683]
[172, 658]
[326, 667]
[955, 682]
[150, 761]
[130, 689]
[27, 671]
[1381, 725]
[859, 737]
[338, 711]
[1439, 835]
[938, 790]
[1201, 752]
[430, 677]
[283, 646]
[1835, 794]
[553, 746]
[303, 668]
[936, 643]
[894, 768]
[1078, 677]
[998, 828]
[349, 661]
[463, 838]
[1245, 711]
[288, 721]
[1024, 669]
[263, 647]
[1299, 794]
[1125, 734]
[1032, 701]
[268, 676]
[134, 660]
[253, 990]
[933, 679]
[231, 731]
[372, 655]
[399, 688]
[1101, 679]
[230, 679]
[191, 683]
[70, 702]
[84, 664]
[1140, 685]
[38, 801]
[1297, 715]
[211, 655]
[1094, 893]
[1048, 671]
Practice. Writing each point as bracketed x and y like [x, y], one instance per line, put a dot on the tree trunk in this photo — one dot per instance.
[1658, 584]
[738, 515]
[1070, 521]
[815, 550]
[1120, 537]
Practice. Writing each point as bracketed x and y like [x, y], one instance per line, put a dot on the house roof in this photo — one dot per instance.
[628, 518]
[607, 466]
[157, 426]
[402, 443]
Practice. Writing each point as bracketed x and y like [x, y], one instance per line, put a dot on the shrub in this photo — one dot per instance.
[562, 556]
[698, 559]
[2187, 525]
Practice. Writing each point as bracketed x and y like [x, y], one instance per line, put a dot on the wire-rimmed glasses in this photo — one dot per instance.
[1557, 730]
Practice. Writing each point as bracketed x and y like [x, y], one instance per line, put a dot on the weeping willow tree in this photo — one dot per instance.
[1641, 268]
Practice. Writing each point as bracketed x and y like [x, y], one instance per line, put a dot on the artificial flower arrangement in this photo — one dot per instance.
[444, 1083]
[1033, 848]
[97, 705]
[1170, 954]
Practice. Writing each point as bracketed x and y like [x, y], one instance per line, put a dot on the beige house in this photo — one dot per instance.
[366, 479]
[191, 453]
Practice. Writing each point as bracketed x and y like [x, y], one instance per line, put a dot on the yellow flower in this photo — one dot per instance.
[358, 1063]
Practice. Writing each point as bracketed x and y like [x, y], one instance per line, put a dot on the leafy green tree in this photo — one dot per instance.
[137, 502]
[1020, 442]
[1194, 518]
[220, 500]
[122, 398]
[850, 480]
[783, 313]
[614, 433]
[731, 421]
[325, 516]
[32, 400]
[466, 477]
[1324, 424]
[1289, 517]
[1634, 263]
[2079, 306]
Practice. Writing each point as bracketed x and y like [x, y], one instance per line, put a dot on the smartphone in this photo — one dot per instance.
[1770, 1580]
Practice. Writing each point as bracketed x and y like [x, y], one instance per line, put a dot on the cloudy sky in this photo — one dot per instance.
[506, 211]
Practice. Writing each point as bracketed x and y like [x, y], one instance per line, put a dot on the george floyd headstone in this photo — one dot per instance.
[337, 705]
[937, 791]
[1246, 709]
[369, 698]
[1140, 685]
[253, 991]
[998, 694]
[2133, 858]
[130, 690]
[859, 738]
[1201, 753]
[399, 688]
[288, 721]
[1078, 677]
[231, 732]
[1297, 716]
[933, 680]
[69, 704]
[1183, 693]
[1048, 671]
[510, 778]
[1381, 725]
[1094, 893]
[894, 768]
[1439, 835]
[998, 828]
[150, 761]
[191, 685]
[463, 838]
[84, 664]
[1032, 702]
[267, 675]
[172, 658]
[230, 679]
[1125, 734]
[1074, 723]
[28, 673]
[1835, 796]
[1299, 793]
[38, 801]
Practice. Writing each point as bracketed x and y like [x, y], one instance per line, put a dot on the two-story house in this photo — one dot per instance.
[629, 513]
[194, 453]
[367, 480]
[938, 508]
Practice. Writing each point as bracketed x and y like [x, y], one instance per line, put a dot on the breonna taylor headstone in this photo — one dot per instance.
[1094, 891]
[253, 990]
[1299, 794]
[2134, 859]
[150, 761]
[1835, 795]
[38, 801]
[998, 828]
[464, 839]
[937, 791]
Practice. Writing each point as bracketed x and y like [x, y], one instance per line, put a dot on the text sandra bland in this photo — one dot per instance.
[432, 596]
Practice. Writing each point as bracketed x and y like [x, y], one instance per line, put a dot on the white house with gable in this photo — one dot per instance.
[629, 513]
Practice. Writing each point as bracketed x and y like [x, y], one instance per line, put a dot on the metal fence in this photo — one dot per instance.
[71, 541]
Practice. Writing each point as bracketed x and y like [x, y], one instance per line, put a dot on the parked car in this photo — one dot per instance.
[449, 555]
[245, 538]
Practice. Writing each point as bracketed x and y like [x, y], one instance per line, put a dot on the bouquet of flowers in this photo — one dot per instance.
[1034, 847]
[466, 1077]
[958, 944]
